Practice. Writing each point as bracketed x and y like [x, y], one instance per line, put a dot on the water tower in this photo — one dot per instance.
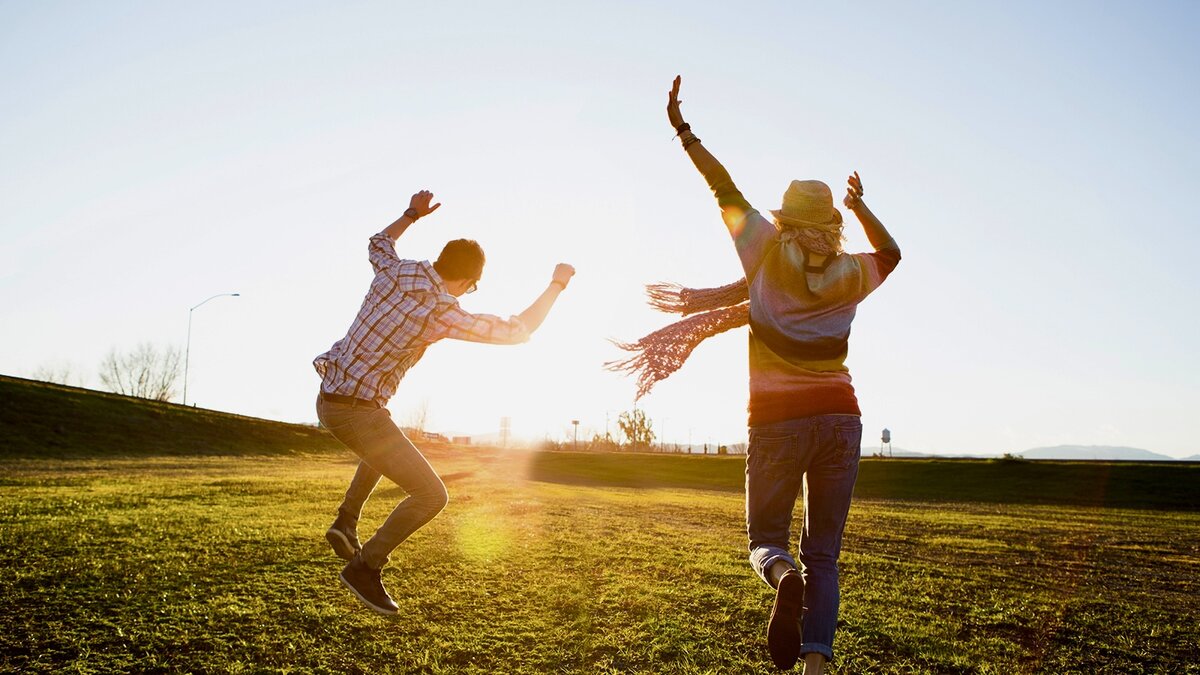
[886, 439]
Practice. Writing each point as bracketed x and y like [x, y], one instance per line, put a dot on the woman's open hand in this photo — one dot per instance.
[854, 192]
[673, 115]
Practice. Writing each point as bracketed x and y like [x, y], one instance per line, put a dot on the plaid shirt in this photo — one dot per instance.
[406, 309]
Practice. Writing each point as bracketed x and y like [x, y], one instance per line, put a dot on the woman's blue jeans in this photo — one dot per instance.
[818, 455]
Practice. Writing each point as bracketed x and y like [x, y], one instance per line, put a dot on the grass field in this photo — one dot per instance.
[217, 564]
[147, 537]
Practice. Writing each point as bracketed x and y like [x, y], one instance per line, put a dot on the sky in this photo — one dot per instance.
[1035, 161]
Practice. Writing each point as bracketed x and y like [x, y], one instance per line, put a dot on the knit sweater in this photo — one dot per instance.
[800, 314]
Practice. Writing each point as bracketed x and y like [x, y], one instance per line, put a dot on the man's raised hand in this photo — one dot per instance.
[562, 274]
[420, 203]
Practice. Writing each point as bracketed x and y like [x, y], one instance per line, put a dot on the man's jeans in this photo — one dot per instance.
[821, 455]
[384, 450]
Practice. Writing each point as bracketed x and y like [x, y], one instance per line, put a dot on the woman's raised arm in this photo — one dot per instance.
[733, 205]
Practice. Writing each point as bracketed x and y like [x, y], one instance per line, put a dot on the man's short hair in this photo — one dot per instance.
[460, 259]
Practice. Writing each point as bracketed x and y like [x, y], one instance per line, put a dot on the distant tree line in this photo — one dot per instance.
[636, 434]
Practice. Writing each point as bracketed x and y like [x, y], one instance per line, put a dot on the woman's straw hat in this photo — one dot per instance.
[808, 203]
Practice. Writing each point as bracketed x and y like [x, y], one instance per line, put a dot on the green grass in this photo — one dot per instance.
[219, 565]
[147, 537]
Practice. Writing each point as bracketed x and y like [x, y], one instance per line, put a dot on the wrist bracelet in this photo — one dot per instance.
[560, 284]
[683, 126]
[411, 214]
[690, 140]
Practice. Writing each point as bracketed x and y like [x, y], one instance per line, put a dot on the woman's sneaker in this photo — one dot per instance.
[343, 537]
[783, 630]
[366, 585]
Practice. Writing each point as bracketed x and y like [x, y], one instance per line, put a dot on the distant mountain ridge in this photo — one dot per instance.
[1108, 453]
[874, 451]
[1099, 452]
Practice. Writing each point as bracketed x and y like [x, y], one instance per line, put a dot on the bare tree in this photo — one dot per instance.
[60, 372]
[418, 417]
[145, 372]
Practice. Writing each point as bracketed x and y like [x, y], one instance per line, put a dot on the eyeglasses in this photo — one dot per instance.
[474, 286]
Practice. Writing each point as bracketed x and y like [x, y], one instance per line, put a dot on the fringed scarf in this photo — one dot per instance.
[661, 353]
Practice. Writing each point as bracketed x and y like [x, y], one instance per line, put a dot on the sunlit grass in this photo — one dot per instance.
[219, 565]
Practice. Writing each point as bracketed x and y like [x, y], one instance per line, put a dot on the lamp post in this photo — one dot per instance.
[187, 353]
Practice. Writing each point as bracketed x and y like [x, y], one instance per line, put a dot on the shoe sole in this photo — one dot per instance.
[341, 544]
[369, 605]
[783, 630]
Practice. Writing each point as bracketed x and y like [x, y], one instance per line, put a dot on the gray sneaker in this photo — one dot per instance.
[343, 537]
[366, 585]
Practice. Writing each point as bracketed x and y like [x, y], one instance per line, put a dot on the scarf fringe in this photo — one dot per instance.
[661, 353]
[678, 299]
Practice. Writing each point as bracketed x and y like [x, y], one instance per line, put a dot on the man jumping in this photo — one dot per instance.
[409, 306]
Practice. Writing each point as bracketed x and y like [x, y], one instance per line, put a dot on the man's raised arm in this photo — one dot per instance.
[418, 207]
[381, 250]
[536, 313]
[459, 324]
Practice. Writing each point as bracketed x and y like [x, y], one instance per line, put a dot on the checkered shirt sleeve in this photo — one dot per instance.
[459, 324]
[405, 310]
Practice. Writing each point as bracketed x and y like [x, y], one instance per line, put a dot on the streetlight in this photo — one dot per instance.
[188, 351]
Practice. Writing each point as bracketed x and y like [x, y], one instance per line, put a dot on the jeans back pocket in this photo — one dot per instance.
[773, 455]
[847, 438]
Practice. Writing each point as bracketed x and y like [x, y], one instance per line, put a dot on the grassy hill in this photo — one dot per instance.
[1158, 485]
[38, 419]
